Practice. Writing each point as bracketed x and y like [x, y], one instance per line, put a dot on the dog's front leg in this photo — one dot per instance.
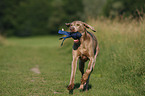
[73, 71]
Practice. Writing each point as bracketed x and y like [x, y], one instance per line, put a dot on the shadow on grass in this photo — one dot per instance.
[77, 85]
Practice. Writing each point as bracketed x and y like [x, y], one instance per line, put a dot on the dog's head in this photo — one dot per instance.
[78, 26]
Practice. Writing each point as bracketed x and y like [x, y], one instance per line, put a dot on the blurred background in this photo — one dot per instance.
[44, 17]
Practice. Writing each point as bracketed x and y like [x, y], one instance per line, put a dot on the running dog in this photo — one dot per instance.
[85, 48]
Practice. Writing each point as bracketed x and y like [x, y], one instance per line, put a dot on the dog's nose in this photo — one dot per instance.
[72, 29]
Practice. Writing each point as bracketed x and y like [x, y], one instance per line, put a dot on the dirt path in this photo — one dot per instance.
[35, 69]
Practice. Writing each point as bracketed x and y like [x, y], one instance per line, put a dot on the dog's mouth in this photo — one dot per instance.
[76, 40]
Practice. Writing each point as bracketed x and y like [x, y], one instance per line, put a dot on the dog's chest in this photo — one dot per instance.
[83, 50]
[84, 54]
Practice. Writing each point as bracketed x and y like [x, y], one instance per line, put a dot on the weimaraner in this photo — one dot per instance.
[85, 48]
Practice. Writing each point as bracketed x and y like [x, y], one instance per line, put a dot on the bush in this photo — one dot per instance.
[125, 8]
[35, 17]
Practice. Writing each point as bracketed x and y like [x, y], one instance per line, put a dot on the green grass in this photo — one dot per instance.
[119, 69]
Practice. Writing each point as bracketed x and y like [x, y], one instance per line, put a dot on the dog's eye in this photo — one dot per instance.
[78, 24]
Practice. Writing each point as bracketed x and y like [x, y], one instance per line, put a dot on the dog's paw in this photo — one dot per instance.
[81, 87]
[70, 87]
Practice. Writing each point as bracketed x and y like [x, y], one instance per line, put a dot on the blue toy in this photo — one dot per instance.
[74, 35]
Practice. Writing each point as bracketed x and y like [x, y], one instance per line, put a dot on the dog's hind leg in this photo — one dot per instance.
[81, 66]
[96, 54]
[82, 61]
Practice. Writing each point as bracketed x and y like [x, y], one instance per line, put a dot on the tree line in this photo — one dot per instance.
[44, 17]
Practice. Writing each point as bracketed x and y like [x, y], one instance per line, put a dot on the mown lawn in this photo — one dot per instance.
[38, 66]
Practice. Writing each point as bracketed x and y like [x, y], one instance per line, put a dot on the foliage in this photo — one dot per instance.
[35, 17]
[126, 8]
[93, 8]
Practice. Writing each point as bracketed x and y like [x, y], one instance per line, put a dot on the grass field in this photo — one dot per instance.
[38, 66]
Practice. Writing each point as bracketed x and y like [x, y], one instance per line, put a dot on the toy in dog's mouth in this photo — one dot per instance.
[75, 35]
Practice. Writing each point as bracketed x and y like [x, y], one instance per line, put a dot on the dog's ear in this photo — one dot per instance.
[68, 24]
[88, 26]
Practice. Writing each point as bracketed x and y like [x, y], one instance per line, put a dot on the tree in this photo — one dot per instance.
[126, 8]
[93, 8]
[35, 17]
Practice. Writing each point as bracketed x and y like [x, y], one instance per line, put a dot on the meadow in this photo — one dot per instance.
[39, 66]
